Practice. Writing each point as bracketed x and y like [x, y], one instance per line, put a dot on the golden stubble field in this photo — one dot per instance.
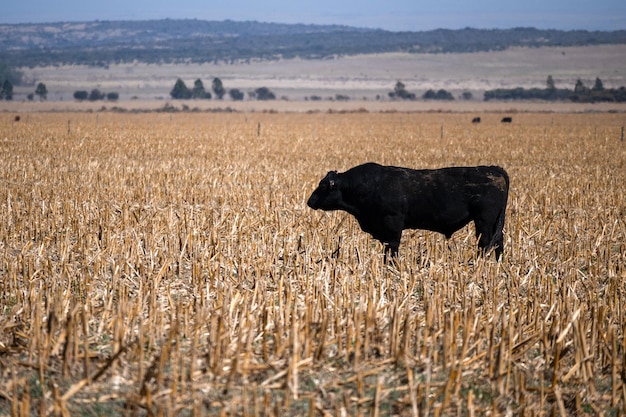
[167, 264]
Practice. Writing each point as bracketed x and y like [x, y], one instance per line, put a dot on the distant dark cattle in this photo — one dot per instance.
[17, 118]
[506, 120]
[385, 200]
[476, 120]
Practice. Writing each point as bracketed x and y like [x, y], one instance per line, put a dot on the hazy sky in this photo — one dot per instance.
[413, 15]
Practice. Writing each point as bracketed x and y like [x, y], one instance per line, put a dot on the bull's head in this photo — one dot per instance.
[327, 195]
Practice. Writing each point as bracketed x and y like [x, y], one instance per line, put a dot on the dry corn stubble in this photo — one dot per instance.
[167, 263]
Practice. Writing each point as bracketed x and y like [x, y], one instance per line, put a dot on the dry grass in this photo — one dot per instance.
[166, 264]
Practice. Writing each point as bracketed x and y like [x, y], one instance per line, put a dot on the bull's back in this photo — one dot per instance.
[426, 191]
[446, 199]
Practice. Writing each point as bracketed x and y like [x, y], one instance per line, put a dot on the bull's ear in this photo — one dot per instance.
[332, 179]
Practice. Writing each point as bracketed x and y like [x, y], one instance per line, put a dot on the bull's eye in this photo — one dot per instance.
[332, 184]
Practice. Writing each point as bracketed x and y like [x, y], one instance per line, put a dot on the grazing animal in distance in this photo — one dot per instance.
[506, 120]
[385, 200]
[476, 120]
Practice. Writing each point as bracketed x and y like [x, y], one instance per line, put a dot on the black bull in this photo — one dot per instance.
[386, 200]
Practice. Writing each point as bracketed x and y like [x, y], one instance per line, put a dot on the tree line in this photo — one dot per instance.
[400, 92]
[580, 93]
[95, 95]
[181, 91]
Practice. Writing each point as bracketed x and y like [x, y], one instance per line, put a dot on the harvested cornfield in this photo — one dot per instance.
[167, 264]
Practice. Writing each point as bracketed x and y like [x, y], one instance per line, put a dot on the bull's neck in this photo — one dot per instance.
[349, 202]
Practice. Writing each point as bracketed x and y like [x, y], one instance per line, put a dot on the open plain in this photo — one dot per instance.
[365, 80]
[167, 264]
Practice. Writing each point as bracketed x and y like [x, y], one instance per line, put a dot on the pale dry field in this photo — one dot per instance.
[23, 108]
[167, 264]
[361, 77]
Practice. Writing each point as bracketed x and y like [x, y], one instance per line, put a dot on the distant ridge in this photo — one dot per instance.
[99, 43]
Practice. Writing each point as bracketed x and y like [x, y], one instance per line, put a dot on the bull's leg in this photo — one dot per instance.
[499, 245]
[390, 234]
[489, 237]
[484, 235]
[391, 241]
[391, 249]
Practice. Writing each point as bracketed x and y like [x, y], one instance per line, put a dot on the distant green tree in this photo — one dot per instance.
[439, 95]
[198, 90]
[429, 95]
[7, 90]
[96, 95]
[41, 91]
[467, 95]
[113, 96]
[235, 94]
[399, 91]
[264, 93]
[579, 87]
[218, 88]
[550, 93]
[180, 90]
[444, 95]
[580, 91]
[81, 95]
[598, 86]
